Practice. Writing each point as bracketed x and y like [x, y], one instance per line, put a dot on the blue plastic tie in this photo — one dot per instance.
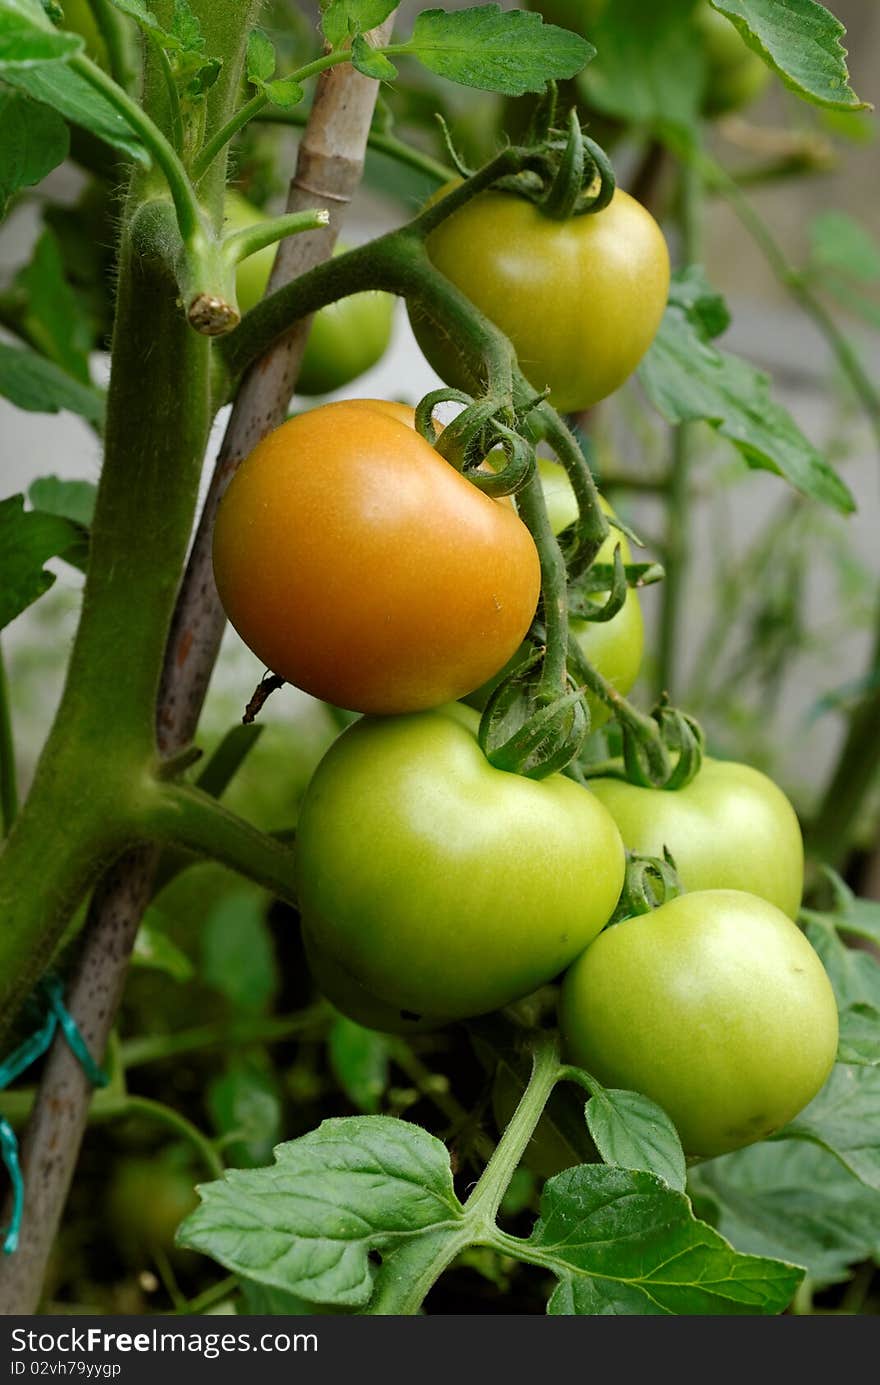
[51, 992]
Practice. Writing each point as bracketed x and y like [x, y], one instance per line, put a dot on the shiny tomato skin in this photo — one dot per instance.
[715, 1006]
[360, 566]
[443, 885]
[353, 1000]
[581, 300]
[731, 828]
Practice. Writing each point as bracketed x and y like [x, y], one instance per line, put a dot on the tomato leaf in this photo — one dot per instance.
[72, 500]
[359, 1059]
[52, 316]
[792, 1201]
[154, 949]
[370, 62]
[56, 85]
[260, 57]
[800, 40]
[27, 36]
[308, 1223]
[649, 69]
[632, 1132]
[33, 141]
[687, 378]
[27, 540]
[860, 1035]
[244, 1103]
[622, 1242]
[510, 52]
[238, 958]
[342, 18]
[845, 1119]
[31, 382]
[284, 92]
[854, 974]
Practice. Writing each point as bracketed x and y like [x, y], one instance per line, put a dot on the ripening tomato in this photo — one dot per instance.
[730, 828]
[715, 1006]
[581, 300]
[345, 339]
[441, 884]
[363, 568]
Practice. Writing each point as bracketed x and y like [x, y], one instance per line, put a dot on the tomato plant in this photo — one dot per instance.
[366, 602]
[714, 1005]
[419, 869]
[519, 954]
[534, 276]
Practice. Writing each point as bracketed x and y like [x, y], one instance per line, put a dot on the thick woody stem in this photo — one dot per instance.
[329, 167]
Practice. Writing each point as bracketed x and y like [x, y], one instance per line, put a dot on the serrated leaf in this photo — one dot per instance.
[649, 69]
[186, 29]
[284, 92]
[687, 379]
[839, 242]
[800, 40]
[793, 1201]
[238, 958]
[307, 1225]
[33, 141]
[260, 57]
[155, 950]
[359, 1059]
[53, 317]
[28, 37]
[511, 52]
[72, 500]
[633, 1132]
[28, 539]
[31, 382]
[859, 1040]
[845, 1119]
[73, 97]
[370, 62]
[342, 18]
[622, 1242]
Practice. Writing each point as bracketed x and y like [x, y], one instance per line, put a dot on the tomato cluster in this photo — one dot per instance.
[433, 887]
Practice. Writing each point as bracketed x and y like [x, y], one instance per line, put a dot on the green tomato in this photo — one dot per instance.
[581, 300]
[730, 828]
[735, 74]
[346, 338]
[353, 1000]
[443, 885]
[147, 1200]
[715, 1006]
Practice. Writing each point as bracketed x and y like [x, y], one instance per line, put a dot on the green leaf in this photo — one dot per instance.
[359, 1060]
[260, 57]
[186, 29]
[341, 18]
[52, 316]
[850, 914]
[370, 62]
[854, 973]
[28, 37]
[649, 68]
[800, 40]
[74, 98]
[155, 950]
[31, 382]
[238, 958]
[27, 540]
[73, 500]
[795, 1202]
[510, 52]
[33, 141]
[244, 1102]
[845, 1119]
[205, 77]
[622, 1242]
[307, 1225]
[859, 1035]
[633, 1132]
[839, 242]
[687, 379]
[284, 92]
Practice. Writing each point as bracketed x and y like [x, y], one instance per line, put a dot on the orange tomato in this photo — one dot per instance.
[363, 568]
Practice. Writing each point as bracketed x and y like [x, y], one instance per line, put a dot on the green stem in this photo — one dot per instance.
[224, 1288]
[115, 33]
[156, 1048]
[218, 141]
[173, 1120]
[380, 141]
[532, 508]
[173, 97]
[189, 217]
[183, 816]
[239, 244]
[8, 777]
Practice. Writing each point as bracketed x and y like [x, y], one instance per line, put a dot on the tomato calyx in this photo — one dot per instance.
[525, 733]
[650, 882]
[614, 578]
